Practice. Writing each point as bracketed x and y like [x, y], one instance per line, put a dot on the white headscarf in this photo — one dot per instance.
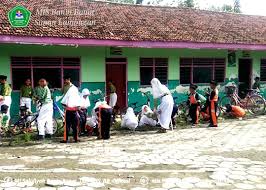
[72, 97]
[148, 110]
[158, 89]
[85, 102]
[130, 120]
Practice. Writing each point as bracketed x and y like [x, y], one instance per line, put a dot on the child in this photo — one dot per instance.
[194, 103]
[26, 93]
[85, 103]
[213, 103]
[4, 118]
[235, 111]
[130, 120]
[256, 84]
[147, 117]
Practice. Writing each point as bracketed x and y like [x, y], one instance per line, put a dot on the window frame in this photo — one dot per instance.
[204, 66]
[153, 69]
[32, 67]
[261, 60]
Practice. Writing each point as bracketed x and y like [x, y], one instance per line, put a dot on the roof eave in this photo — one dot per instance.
[9, 39]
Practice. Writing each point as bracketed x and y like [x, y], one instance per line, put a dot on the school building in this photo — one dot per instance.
[95, 42]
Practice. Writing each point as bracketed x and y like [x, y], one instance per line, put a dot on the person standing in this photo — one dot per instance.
[5, 93]
[72, 102]
[213, 104]
[26, 93]
[113, 95]
[256, 85]
[67, 84]
[162, 93]
[104, 114]
[85, 103]
[45, 119]
[194, 103]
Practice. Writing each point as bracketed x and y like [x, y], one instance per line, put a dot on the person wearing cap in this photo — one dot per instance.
[213, 104]
[5, 93]
[26, 93]
[256, 85]
[85, 103]
[194, 104]
[45, 119]
[67, 84]
[72, 103]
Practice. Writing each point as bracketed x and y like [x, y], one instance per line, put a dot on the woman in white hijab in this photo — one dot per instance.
[147, 117]
[85, 103]
[162, 93]
[130, 120]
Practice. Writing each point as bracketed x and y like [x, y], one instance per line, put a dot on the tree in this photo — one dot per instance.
[227, 8]
[188, 3]
[237, 6]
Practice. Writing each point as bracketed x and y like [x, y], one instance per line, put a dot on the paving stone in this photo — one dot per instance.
[13, 188]
[244, 186]
[72, 183]
[25, 184]
[87, 188]
[95, 184]
[261, 186]
[185, 185]
[66, 188]
[204, 184]
[254, 178]
[50, 188]
[191, 180]
[54, 183]
[8, 184]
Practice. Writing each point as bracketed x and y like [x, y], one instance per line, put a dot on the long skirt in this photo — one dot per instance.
[45, 119]
[165, 111]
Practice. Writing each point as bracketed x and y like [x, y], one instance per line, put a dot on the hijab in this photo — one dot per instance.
[85, 102]
[158, 89]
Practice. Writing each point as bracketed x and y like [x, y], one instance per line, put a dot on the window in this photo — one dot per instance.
[153, 67]
[199, 70]
[263, 70]
[51, 68]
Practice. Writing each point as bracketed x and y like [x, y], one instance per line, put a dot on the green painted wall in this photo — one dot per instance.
[93, 66]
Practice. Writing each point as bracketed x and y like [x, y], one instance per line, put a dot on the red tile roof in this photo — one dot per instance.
[134, 23]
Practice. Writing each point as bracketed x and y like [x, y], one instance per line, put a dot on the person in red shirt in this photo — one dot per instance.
[213, 104]
[235, 111]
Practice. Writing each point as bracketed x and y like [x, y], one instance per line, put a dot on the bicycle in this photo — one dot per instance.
[253, 102]
[183, 109]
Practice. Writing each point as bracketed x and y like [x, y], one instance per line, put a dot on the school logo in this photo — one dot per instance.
[19, 16]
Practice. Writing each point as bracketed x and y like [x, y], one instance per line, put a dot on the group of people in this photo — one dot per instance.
[76, 106]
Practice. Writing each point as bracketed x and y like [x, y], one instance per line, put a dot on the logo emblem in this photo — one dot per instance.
[19, 16]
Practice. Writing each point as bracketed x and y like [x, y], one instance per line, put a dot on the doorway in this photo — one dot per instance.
[116, 71]
[244, 76]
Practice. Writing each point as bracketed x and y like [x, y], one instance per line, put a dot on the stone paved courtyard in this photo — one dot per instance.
[232, 156]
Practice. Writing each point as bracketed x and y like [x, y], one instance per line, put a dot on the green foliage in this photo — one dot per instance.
[237, 6]
[227, 8]
[188, 3]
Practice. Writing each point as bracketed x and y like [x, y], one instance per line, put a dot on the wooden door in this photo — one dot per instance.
[116, 72]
